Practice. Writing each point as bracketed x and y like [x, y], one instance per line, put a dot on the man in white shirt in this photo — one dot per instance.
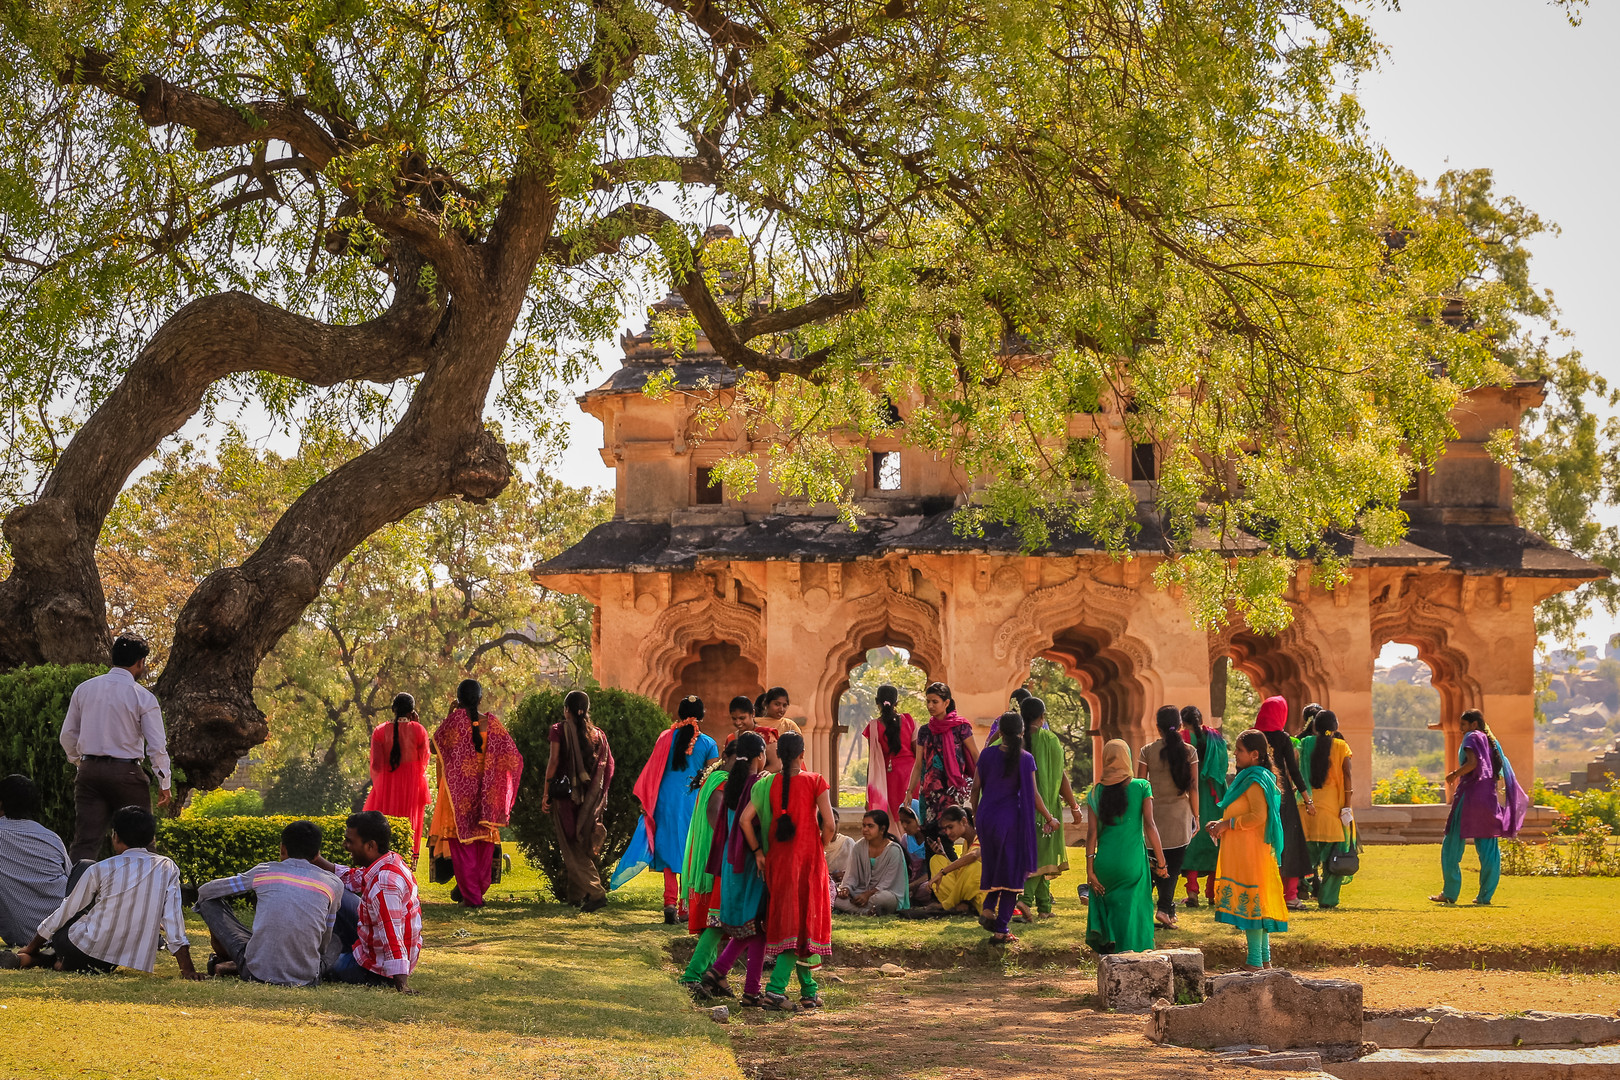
[113, 722]
[116, 913]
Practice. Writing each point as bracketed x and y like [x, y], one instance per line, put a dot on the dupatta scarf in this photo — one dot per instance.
[480, 798]
[944, 729]
[1267, 782]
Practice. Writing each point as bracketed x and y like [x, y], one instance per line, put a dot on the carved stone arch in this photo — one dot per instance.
[884, 617]
[683, 628]
[1413, 612]
[1082, 624]
[1289, 663]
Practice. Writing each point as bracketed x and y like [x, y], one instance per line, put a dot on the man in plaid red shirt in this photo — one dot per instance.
[380, 923]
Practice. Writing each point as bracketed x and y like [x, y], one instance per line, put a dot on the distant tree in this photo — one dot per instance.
[1067, 714]
[1401, 714]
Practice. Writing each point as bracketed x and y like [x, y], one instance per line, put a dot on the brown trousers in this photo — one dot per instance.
[102, 789]
[578, 855]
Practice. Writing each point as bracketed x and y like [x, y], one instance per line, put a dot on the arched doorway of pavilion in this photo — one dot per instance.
[1112, 681]
[857, 706]
[1408, 742]
[715, 671]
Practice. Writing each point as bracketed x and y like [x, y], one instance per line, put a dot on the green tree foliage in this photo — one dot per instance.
[1402, 713]
[632, 724]
[242, 802]
[33, 704]
[441, 596]
[1405, 788]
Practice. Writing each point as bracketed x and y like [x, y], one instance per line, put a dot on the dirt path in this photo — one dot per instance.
[962, 1025]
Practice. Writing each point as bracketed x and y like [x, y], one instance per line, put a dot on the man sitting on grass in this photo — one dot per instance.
[115, 914]
[380, 922]
[295, 908]
[33, 864]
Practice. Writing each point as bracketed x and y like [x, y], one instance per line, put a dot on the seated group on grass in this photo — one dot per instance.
[312, 920]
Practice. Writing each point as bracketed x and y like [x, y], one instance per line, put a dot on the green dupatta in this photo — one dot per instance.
[1267, 782]
[700, 837]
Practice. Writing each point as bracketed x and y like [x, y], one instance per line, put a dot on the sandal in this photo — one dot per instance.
[750, 1001]
[1164, 920]
[716, 985]
[1440, 898]
[669, 916]
[1191, 901]
[1003, 939]
[698, 991]
[811, 1002]
[776, 1003]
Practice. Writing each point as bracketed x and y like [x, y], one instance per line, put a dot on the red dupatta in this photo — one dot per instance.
[480, 798]
[651, 779]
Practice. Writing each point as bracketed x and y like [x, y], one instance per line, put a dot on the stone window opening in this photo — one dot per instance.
[886, 470]
[1144, 461]
[709, 491]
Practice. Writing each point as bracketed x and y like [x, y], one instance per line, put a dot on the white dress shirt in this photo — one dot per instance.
[114, 716]
[136, 897]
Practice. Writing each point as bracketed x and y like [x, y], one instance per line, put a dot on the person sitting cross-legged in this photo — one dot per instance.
[955, 882]
[295, 908]
[118, 910]
[33, 864]
[380, 922]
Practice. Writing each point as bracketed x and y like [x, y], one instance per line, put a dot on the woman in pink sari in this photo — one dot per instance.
[479, 768]
[891, 750]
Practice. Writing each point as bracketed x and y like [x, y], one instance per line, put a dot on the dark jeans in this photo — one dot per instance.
[344, 967]
[1167, 885]
[72, 958]
[101, 789]
[226, 929]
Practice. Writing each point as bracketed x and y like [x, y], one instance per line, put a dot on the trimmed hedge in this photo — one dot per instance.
[632, 724]
[209, 848]
[33, 704]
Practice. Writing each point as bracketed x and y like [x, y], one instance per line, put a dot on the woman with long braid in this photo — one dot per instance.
[788, 824]
[1212, 760]
[667, 799]
[399, 761]
[1250, 836]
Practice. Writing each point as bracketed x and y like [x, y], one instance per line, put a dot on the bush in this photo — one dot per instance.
[311, 786]
[1584, 811]
[1592, 853]
[243, 802]
[1406, 787]
[33, 704]
[632, 724]
[213, 847]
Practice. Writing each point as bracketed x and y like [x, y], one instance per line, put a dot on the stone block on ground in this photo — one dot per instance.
[1133, 982]
[1287, 1060]
[1285, 1011]
[1596, 1063]
[1444, 1028]
[1187, 968]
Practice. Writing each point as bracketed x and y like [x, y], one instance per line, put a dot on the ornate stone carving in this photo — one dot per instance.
[684, 626]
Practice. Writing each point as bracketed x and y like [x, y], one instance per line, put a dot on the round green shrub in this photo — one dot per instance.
[243, 802]
[33, 704]
[632, 724]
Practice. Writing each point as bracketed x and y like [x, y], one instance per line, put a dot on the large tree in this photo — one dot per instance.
[1006, 213]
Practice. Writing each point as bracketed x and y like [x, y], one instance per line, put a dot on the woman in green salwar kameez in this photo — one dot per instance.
[1212, 763]
[1119, 830]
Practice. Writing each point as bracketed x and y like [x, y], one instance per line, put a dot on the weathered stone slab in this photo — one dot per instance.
[1286, 1011]
[1133, 982]
[1447, 1028]
[1287, 1060]
[1598, 1063]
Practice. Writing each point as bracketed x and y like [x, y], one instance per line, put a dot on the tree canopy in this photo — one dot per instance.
[396, 214]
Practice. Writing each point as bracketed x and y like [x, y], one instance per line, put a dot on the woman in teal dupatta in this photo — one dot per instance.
[1249, 895]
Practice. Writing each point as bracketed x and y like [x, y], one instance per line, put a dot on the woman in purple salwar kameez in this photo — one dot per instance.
[1488, 804]
[1005, 809]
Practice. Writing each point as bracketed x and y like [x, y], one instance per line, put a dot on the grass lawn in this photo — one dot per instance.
[519, 989]
[1384, 917]
[532, 989]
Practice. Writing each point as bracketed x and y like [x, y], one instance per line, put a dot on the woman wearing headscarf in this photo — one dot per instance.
[1488, 804]
[479, 769]
[577, 777]
[1212, 761]
[1005, 808]
[667, 796]
[1295, 852]
[1324, 758]
[788, 824]
[1119, 831]
[1250, 836]
[891, 750]
[1171, 766]
[942, 775]
[399, 761]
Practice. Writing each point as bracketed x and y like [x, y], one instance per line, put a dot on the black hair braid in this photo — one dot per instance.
[1286, 760]
[888, 697]
[1011, 727]
[1325, 726]
[789, 748]
[1111, 803]
[1174, 751]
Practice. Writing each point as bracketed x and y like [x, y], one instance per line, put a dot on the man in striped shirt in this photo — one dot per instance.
[380, 924]
[295, 907]
[116, 913]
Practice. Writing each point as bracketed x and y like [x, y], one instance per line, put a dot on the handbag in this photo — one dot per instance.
[496, 862]
[560, 788]
[1346, 862]
[442, 871]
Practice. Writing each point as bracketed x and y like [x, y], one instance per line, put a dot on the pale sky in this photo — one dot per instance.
[1507, 85]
